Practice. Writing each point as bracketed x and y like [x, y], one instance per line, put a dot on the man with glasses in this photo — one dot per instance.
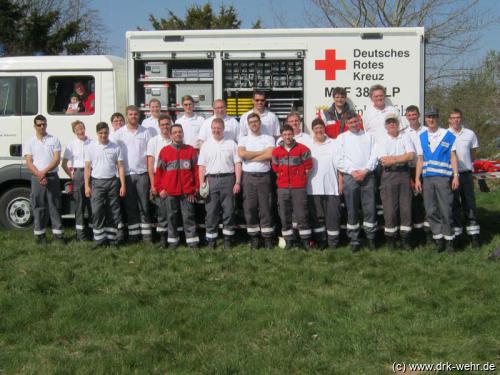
[231, 125]
[270, 123]
[437, 163]
[42, 154]
[190, 122]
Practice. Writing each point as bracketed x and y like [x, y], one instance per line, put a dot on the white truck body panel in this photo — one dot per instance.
[358, 59]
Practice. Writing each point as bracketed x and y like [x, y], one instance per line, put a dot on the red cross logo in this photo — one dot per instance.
[330, 65]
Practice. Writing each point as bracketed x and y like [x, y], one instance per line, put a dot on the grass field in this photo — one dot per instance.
[66, 309]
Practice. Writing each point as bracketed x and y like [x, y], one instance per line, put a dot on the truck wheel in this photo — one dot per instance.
[15, 209]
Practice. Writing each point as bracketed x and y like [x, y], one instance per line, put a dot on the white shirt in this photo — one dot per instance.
[219, 156]
[465, 142]
[191, 127]
[155, 145]
[323, 176]
[270, 124]
[415, 139]
[374, 121]
[74, 152]
[394, 146]
[435, 139]
[42, 151]
[356, 152]
[231, 129]
[151, 123]
[103, 159]
[134, 146]
[253, 142]
[302, 137]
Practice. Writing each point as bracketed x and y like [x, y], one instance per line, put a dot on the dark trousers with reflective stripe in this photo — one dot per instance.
[438, 200]
[161, 214]
[180, 205]
[325, 211]
[46, 202]
[292, 203]
[396, 197]
[257, 203]
[105, 201]
[82, 203]
[220, 200]
[137, 206]
[465, 200]
[417, 207]
[360, 194]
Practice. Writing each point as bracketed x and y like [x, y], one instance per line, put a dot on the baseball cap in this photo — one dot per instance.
[432, 111]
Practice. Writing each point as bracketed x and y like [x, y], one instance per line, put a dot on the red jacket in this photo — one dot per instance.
[177, 171]
[291, 166]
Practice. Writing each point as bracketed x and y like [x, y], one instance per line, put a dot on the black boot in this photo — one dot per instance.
[355, 247]
[306, 244]
[406, 243]
[474, 241]
[428, 238]
[212, 244]
[228, 243]
[450, 246]
[41, 240]
[268, 243]
[391, 243]
[289, 244]
[163, 241]
[371, 245]
[440, 246]
[254, 242]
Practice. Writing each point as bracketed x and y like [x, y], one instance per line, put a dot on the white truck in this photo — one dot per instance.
[298, 69]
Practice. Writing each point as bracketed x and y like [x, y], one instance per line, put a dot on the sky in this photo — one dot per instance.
[120, 16]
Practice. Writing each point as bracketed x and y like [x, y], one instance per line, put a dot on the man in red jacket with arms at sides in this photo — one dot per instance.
[292, 162]
[176, 181]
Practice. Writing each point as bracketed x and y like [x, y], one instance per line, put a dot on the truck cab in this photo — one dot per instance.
[32, 85]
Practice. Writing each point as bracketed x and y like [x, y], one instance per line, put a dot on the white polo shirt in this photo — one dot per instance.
[270, 124]
[465, 142]
[253, 142]
[134, 145]
[191, 127]
[219, 156]
[394, 146]
[155, 145]
[151, 123]
[356, 152]
[74, 152]
[42, 151]
[103, 159]
[374, 121]
[302, 137]
[231, 129]
[415, 139]
[435, 139]
[322, 179]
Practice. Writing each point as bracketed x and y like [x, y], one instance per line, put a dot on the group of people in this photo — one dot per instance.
[343, 170]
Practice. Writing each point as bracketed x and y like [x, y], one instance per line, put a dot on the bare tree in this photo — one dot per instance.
[452, 26]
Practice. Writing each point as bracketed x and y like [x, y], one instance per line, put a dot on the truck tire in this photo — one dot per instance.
[15, 209]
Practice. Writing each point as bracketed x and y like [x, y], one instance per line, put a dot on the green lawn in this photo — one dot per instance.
[143, 310]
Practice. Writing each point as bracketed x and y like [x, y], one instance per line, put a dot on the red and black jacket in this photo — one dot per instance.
[177, 171]
[291, 166]
[333, 121]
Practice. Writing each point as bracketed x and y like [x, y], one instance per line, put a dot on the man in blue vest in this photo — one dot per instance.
[437, 163]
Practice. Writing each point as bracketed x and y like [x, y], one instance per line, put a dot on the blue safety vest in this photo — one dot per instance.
[437, 163]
